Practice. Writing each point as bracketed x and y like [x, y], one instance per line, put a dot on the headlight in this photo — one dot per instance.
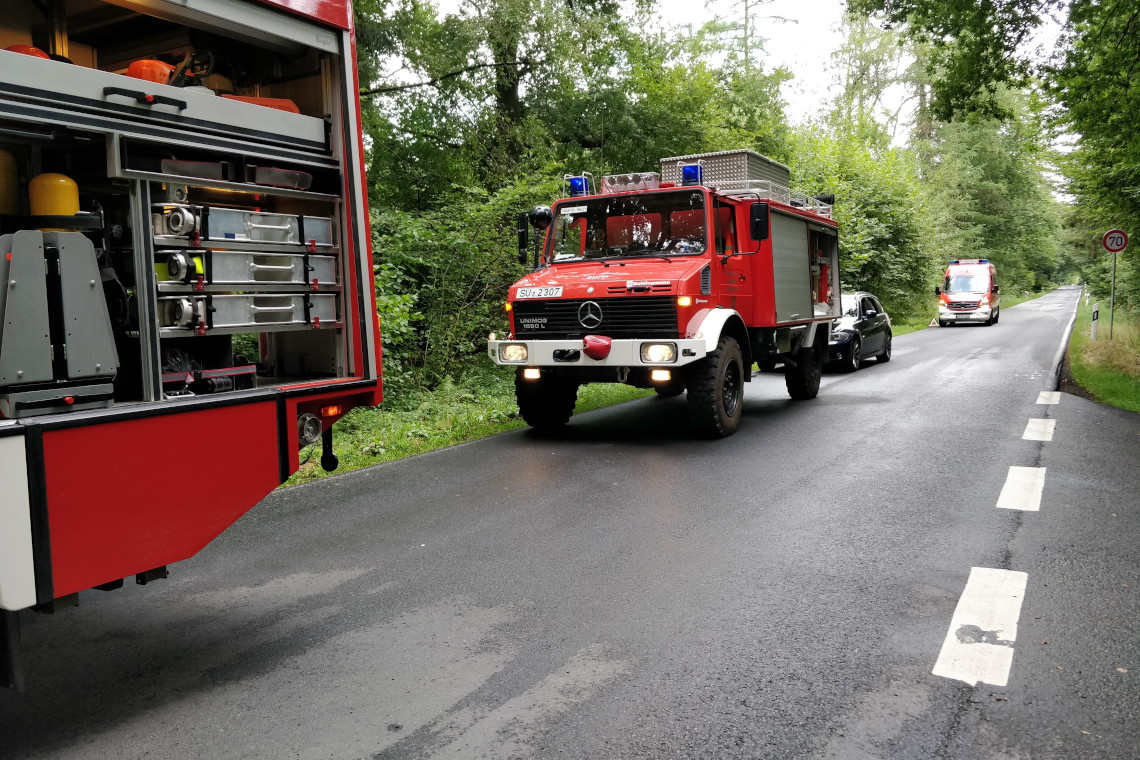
[658, 353]
[512, 352]
[840, 337]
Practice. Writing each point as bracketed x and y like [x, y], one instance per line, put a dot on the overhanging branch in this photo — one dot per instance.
[523, 65]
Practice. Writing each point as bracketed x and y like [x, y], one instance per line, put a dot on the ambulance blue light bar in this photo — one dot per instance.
[970, 261]
[578, 186]
[692, 174]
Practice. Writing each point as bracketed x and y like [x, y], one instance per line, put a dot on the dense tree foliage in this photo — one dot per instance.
[475, 114]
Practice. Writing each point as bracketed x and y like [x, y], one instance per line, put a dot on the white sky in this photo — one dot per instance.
[799, 35]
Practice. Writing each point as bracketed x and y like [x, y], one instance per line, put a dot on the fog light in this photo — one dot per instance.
[660, 375]
[513, 352]
[532, 373]
[308, 429]
[658, 353]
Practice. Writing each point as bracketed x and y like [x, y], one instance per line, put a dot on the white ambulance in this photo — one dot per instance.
[969, 293]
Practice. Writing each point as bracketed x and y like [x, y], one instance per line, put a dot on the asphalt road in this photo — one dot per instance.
[627, 592]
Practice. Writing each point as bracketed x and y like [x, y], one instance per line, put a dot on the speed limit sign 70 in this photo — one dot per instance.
[1115, 241]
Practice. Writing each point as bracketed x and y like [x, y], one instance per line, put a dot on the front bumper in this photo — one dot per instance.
[980, 314]
[623, 353]
[839, 347]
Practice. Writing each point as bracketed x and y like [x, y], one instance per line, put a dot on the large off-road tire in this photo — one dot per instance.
[716, 390]
[802, 380]
[547, 403]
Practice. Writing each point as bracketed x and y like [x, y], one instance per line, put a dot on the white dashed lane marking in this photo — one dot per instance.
[1022, 489]
[979, 644]
[1039, 430]
[1049, 397]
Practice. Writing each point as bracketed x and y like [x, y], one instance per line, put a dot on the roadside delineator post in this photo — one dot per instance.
[1096, 314]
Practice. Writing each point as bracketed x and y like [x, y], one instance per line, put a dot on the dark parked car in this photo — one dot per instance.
[862, 332]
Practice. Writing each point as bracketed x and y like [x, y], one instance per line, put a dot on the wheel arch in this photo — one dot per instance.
[719, 322]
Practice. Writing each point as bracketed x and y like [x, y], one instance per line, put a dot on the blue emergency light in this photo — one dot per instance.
[693, 174]
[578, 186]
[970, 261]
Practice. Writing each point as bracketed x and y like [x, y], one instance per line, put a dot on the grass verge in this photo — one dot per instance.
[1107, 370]
[475, 407]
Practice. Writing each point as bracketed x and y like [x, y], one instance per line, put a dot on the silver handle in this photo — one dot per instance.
[255, 226]
[273, 267]
[272, 308]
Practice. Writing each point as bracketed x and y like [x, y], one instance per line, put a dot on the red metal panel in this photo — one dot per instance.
[129, 496]
[336, 13]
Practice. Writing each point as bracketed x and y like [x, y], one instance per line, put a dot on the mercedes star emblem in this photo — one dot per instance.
[590, 315]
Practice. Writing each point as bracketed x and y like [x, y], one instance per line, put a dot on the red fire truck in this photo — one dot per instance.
[186, 292]
[678, 281]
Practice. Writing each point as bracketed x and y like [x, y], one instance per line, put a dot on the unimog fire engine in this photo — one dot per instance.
[679, 280]
[186, 291]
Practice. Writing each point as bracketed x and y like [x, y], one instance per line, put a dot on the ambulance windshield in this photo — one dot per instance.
[967, 282]
[624, 226]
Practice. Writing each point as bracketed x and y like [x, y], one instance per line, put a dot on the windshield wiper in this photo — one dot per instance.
[640, 254]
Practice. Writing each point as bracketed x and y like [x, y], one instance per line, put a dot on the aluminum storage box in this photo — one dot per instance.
[181, 221]
[260, 227]
[243, 270]
[729, 166]
[250, 312]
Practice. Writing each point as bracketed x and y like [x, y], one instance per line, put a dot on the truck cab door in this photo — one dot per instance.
[736, 271]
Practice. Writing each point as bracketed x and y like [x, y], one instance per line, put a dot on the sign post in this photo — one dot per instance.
[1114, 241]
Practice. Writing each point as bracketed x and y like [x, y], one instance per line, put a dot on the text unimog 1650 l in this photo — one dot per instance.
[677, 282]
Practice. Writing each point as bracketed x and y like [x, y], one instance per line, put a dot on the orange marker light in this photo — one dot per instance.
[684, 301]
[507, 306]
[330, 411]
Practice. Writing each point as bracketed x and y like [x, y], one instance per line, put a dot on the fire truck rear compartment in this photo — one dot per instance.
[214, 226]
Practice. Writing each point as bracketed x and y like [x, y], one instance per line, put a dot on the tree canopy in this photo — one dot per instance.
[475, 113]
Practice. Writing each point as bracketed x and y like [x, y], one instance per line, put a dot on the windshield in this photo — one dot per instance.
[967, 282]
[651, 224]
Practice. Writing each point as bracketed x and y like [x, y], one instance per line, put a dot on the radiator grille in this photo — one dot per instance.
[631, 317]
[962, 305]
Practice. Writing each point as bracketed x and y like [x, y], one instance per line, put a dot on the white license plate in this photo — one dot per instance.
[547, 292]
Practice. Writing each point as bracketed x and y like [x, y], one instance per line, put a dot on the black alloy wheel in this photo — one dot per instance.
[885, 355]
[854, 356]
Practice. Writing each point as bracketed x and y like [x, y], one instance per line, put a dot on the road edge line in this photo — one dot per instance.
[1059, 357]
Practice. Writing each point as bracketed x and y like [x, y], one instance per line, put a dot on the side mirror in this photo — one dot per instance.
[758, 221]
[937, 290]
[524, 237]
[994, 289]
[870, 313]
